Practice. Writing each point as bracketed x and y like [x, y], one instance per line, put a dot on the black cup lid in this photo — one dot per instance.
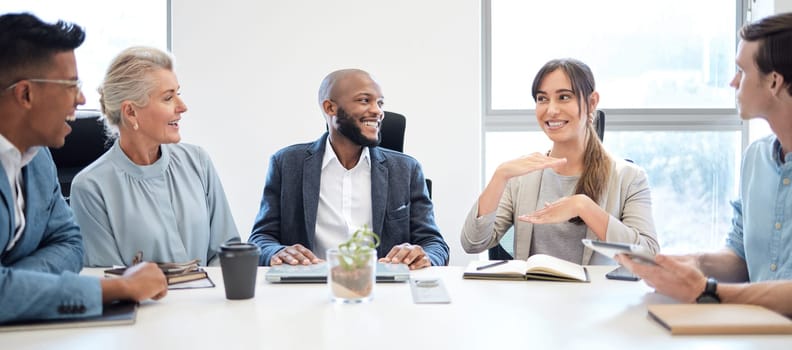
[238, 247]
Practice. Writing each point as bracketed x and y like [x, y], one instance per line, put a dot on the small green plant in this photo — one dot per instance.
[355, 252]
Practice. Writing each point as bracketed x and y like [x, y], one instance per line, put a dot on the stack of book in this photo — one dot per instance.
[175, 272]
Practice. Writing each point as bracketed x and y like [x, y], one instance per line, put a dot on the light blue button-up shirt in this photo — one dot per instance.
[762, 226]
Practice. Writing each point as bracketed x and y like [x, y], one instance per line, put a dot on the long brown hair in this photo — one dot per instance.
[596, 161]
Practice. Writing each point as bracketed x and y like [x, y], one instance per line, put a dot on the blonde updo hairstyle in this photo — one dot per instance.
[128, 79]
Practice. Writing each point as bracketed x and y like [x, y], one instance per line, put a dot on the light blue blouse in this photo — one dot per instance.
[761, 230]
[174, 210]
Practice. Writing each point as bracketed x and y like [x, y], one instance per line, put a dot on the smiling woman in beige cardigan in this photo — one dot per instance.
[574, 191]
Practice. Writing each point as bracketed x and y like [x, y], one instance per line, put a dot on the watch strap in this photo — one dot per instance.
[710, 294]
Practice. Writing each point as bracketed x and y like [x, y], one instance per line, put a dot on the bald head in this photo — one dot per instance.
[351, 102]
[328, 90]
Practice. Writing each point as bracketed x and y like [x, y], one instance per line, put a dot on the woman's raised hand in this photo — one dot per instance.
[527, 164]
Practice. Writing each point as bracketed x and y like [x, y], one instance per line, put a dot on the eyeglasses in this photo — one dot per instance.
[77, 83]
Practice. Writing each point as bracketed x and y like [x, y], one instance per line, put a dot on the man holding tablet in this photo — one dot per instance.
[758, 249]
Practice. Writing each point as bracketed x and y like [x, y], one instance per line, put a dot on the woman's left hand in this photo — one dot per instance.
[558, 211]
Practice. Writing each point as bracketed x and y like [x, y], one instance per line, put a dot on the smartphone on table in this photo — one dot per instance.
[621, 273]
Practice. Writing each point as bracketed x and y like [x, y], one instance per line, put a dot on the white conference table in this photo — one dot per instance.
[482, 315]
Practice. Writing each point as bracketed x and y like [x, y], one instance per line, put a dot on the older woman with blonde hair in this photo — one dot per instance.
[149, 193]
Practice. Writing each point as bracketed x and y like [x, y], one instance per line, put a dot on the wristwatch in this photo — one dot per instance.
[710, 294]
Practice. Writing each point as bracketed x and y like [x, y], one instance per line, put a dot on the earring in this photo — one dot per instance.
[135, 126]
[591, 117]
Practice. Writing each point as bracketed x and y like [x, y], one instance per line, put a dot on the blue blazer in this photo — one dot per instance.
[401, 208]
[38, 277]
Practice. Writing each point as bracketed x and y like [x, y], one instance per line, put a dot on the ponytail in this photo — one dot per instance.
[596, 166]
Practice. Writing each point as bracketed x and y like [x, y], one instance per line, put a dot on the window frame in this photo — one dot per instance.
[82, 109]
[648, 119]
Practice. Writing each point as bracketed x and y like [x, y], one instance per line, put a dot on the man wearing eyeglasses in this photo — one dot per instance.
[41, 249]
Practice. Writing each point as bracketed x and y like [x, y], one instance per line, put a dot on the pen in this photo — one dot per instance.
[491, 265]
[138, 258]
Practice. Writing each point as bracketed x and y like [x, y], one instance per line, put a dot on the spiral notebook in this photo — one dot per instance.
[119, 313]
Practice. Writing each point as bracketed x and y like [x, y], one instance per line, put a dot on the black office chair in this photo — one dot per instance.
[392, 131]
[599, 124]
[84, 144]
[498, 252]
[392, 137]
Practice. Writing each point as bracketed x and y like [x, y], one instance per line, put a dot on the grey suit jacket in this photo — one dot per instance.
[401, 208]
[627, 199]
[38, 277]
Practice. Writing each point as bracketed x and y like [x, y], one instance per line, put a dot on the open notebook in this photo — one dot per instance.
[536, 267]
[119, 313]
[318, 273]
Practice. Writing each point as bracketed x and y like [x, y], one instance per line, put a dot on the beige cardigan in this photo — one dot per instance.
[627, 199]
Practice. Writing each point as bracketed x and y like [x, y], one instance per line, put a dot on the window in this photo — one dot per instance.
[109, 28]
[655, 54]
[663, 73]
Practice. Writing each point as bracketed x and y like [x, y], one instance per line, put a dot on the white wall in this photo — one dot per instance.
[764, 8]
[782, 6]
[250, 70]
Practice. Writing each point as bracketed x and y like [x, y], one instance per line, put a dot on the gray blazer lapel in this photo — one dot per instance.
[312, 176]
[587, 252]
[379, 189]
[603, 203]
[528, 195]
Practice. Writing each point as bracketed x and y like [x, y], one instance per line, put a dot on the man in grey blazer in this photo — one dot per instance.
[41, 249]
[317, 193]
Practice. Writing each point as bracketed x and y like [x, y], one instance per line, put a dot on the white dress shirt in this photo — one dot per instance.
[13, 162]
[344, 200]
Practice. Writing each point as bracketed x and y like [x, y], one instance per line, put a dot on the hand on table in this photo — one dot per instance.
[139, 282]
[294, 255]
[411, 255]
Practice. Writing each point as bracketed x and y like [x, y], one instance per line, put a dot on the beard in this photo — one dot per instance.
[349, 128]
